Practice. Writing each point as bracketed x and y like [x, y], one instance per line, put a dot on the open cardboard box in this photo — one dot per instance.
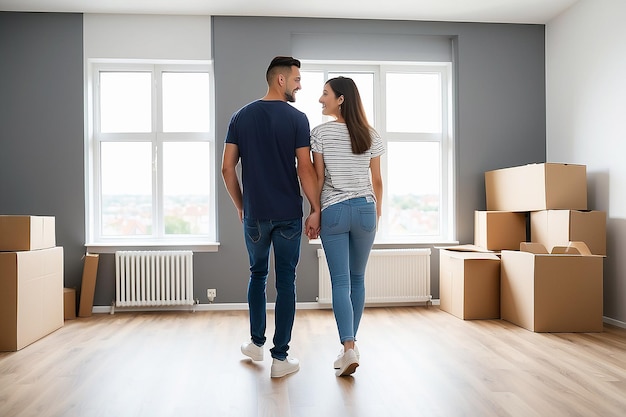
[469, 282]
[558, 227]
[559, 291]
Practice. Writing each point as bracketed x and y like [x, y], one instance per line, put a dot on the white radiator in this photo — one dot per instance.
[153, 278]
[392, 276]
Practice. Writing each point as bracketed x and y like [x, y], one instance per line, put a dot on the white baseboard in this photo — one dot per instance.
[614, 322]
[270, 306]
[234, 307]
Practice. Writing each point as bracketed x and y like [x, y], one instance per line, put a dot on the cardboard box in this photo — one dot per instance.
[537, 187]
[69, 303]
[559, 291]
[469, 283]
[20, 233]
[558, 227]
[88, 286]
[31, 296]
[498, 230]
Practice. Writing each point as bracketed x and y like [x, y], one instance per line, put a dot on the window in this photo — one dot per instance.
[411, 108]
[151, 171]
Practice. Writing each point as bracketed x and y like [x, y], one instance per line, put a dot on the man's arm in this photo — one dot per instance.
[309, 183]
[230, 159]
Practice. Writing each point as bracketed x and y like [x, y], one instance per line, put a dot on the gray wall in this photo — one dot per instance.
[41, 125]
[500, 106]
[500, 77]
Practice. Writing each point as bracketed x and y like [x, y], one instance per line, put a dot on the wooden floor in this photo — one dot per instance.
[415, 361]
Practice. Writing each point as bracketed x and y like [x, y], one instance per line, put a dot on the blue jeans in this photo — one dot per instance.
[285, 236]
[347, 231]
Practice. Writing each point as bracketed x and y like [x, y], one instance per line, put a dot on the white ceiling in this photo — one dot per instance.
[493, 11]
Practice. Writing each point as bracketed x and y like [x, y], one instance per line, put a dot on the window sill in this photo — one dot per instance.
[112, 247]
[399, 241]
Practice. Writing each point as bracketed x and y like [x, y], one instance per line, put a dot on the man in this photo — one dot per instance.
[268, 136]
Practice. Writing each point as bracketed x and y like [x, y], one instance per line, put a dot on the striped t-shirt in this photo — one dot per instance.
[346, 175]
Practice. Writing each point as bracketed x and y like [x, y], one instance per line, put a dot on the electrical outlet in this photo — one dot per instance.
[211, 293]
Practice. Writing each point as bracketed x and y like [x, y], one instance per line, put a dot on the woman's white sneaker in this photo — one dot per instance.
[337, 361]
[348, 362]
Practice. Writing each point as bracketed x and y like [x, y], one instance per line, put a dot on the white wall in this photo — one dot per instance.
[586, 120]
[147, 36]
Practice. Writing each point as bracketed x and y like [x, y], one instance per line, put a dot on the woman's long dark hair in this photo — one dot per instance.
[353, 113]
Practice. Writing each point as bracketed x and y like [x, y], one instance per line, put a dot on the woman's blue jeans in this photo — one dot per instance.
[347, 231]
[285, 237]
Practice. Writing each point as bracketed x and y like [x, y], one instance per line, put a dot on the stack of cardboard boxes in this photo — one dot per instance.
[31, 280]
[548, 248]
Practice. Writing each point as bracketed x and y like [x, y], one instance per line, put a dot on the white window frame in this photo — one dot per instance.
[445, 138]
[95, 241]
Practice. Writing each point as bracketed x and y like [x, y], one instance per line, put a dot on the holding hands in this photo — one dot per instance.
[312, 225]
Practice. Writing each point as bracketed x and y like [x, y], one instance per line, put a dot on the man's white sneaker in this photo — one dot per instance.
[286, 367]
[252, 351]
[348, 362]
[337, 363]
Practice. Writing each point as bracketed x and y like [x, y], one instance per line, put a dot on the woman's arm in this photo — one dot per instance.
[377, 183]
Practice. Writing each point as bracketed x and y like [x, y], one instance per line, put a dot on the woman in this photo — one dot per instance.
[345, 152]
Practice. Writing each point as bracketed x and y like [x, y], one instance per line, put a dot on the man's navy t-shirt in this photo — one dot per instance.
[267, 133]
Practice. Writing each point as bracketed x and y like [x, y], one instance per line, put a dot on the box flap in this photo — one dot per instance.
[465, 248]
[469, 255]
[573, 248]
[533, 247]
[88, 285]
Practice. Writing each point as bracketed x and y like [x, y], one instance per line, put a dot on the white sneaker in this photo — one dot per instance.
[337, 363]
[252, 351]
[286, 367]
[348, 362]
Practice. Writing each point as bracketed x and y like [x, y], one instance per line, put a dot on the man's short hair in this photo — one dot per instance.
[280, 62]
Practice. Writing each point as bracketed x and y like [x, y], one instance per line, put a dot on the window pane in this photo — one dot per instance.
[186, 187]
[413, 183]
[125, 102]
[186, 102]
[365, 83]
[307, 99]
[413, 103]
[126, 183]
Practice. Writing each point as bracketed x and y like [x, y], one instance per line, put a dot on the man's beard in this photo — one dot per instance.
[290, 96]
